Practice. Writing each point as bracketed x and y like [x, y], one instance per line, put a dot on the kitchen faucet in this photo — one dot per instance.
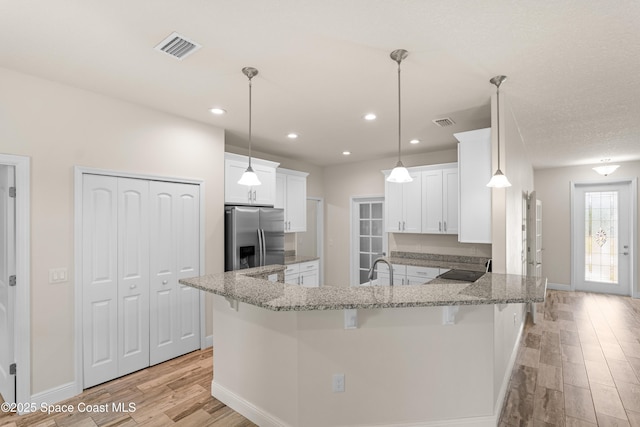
[373, 268]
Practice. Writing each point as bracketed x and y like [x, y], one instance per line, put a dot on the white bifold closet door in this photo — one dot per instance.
[175, 254]
[120, 244]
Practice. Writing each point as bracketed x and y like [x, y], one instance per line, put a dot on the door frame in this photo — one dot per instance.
[78, 172]
[354, 271]
[22, 323]
[320, 236]
[633, 229]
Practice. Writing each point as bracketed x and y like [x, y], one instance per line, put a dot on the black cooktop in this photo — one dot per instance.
[462, 275]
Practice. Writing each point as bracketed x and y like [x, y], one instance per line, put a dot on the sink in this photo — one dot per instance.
[462, 275]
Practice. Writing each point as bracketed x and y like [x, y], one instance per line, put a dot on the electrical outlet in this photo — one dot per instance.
[351, 318]
[338, 383]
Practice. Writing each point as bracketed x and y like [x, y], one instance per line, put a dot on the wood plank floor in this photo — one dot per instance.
[579, 366]
[174, 393]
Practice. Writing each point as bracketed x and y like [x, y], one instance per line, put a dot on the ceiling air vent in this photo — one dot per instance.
[177, 46]
[444, 122]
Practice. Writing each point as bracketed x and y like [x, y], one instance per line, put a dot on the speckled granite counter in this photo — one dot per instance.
[438, 261]
[489, 289]
[295, 259]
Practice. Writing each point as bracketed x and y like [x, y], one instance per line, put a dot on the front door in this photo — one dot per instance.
[602, 238]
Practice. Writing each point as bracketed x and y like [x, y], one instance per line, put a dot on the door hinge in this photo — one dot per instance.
[12, 369]
[12, 192]
[12, 280]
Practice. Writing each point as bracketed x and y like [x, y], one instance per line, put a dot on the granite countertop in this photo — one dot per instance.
[489, 289]
[452, 262]
[295, 259]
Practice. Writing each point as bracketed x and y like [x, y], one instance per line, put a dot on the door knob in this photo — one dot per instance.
[132, 287]
[164, 282]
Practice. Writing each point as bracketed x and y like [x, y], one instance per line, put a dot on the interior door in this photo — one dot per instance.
[534, 237]
[602, 238]
[133, 275]
[174, 254]
[7, 292]
[100, 278]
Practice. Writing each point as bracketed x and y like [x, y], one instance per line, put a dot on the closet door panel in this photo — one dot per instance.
[133, 275]
[99, 278]
[163, 298]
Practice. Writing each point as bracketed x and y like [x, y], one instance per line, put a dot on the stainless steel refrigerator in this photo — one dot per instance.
[253, 237]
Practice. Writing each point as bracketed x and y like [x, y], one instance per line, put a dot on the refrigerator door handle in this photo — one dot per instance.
[264, 248]
[260, 254]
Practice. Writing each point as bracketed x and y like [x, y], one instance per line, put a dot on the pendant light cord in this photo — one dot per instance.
[498, 117]
[250, 122]
[399, 116]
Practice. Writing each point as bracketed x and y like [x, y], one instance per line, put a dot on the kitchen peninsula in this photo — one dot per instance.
[433, 354]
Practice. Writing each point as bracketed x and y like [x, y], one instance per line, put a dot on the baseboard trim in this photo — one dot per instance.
[264, 419]
[247, 409]
[54, 395]
[208, 341]
[559, 287]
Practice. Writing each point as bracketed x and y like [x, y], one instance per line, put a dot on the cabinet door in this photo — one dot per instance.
[393, 203]
[265, 193]
[281, 193]
[450, 201]
[99, 278]
[432, 202]
[235, 193]
[309, 279]
[412, 204]
[133, 275]
[292, 279]
[296, 207]
[416, 280]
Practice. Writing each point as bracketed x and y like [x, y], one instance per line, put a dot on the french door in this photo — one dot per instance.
[368, 241]
[602, 233]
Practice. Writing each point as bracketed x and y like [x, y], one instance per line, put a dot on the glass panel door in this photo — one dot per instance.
[602, 237]
[369, 235]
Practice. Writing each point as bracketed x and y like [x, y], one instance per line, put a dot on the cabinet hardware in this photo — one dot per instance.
[249, 196]
[439, 225]
[445, 226]
[399, 226]
[403, 226]
[254, 195]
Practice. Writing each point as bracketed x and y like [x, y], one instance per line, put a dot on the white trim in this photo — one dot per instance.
[354, 275]
[263, 418]
[559, 287]
[53, 395]
[255, 414]
[78, 172]
[208, 341]
[22, 325]
[504, 387]
[320, 236]
[633, 231]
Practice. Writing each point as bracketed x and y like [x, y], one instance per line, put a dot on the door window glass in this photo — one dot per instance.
[601, 236]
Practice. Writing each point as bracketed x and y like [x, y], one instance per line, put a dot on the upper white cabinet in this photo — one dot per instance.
[236, 194]
[291, 195]
[427, 205]
[403, 209]
[474, 168]
[440, 200]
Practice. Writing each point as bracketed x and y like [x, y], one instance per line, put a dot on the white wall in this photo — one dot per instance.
[553, 189]
[60, 127]
[507, 211]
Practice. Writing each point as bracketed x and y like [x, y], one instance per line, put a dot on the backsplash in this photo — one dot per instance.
[436, 244]
[462, 259]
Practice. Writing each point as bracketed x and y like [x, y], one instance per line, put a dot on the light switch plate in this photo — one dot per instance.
[58, 275]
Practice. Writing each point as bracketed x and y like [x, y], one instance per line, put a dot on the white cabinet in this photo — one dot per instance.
[474, 164]
[236, 194]
[291, 195]
[403, 209]
[304, 274]
[440, 201]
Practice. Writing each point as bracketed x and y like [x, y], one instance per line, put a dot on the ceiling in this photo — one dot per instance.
[573, 68]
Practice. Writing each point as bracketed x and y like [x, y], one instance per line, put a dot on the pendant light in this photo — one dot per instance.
[249, 177]
[606, 167]
[498, 180]
[399, 173]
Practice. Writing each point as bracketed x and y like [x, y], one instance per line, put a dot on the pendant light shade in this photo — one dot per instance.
[498, 180]
[399, 174]
[249, 177]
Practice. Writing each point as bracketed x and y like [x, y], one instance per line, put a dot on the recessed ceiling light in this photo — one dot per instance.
[369, 116]
[414, 141]
[346, 153]
[292, 135]
[217, 111]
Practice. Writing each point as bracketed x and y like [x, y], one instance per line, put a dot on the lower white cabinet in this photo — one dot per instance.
[139, 238]
[303, 274]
